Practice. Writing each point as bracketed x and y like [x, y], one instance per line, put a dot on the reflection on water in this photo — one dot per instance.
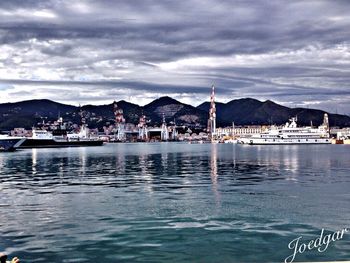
[82, 161]
[170, 202]
[165, 169]
[34, 161]
[214, 172]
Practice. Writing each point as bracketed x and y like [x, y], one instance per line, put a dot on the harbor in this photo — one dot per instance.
[213, 131]
[56, 134]
[83, 171]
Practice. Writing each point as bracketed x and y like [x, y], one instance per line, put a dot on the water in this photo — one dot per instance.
[173, 202]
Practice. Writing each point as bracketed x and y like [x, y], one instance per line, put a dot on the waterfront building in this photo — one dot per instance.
[340, 133]
[20, 132]
[240, 131]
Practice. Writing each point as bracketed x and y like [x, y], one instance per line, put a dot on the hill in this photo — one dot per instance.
[249, 111]
[174, 110]
[245, 111]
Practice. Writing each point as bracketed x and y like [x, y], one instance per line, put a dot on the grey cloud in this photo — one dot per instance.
[107, 85]
[116, 46]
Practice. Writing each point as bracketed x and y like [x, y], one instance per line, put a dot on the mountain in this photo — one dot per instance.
[29, 113]
[39, 107]
[249, 111]
[173, 109]
[245, 111]
[132, 112]
[32, 112]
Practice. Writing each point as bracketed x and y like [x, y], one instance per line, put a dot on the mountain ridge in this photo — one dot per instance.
[244, 111]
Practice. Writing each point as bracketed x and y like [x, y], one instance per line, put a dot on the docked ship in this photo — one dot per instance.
[45, 139]
[8, 143]
[60, 138]
[290, 133]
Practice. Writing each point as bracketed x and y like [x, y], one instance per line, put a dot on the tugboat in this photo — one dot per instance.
[8, 143]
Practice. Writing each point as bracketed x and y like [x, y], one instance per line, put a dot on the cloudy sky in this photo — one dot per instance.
[293, 52]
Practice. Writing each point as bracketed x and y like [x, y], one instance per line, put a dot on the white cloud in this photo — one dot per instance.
[338, 54]
[28, 13]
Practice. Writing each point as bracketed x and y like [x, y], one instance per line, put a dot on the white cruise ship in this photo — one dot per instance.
[290, 133]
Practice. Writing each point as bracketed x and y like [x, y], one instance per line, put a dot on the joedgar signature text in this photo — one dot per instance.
[321, 243]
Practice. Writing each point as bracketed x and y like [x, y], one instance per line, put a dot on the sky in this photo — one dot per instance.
[296, 53]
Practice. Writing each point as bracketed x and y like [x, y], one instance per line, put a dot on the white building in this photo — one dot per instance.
[239, 131]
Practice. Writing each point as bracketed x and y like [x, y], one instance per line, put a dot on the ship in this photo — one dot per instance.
[58, 138]
[290, 133]
[8, 143]
[45, 139]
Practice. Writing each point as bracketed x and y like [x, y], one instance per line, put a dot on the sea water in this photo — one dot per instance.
[173, 202]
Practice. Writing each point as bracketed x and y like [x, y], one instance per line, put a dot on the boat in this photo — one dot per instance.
[8, 143]
[47, 139]
[59, 137]
[290, 133]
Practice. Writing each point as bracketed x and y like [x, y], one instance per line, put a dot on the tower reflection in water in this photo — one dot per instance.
[82, 160]
[34, 161]
[214, 172]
